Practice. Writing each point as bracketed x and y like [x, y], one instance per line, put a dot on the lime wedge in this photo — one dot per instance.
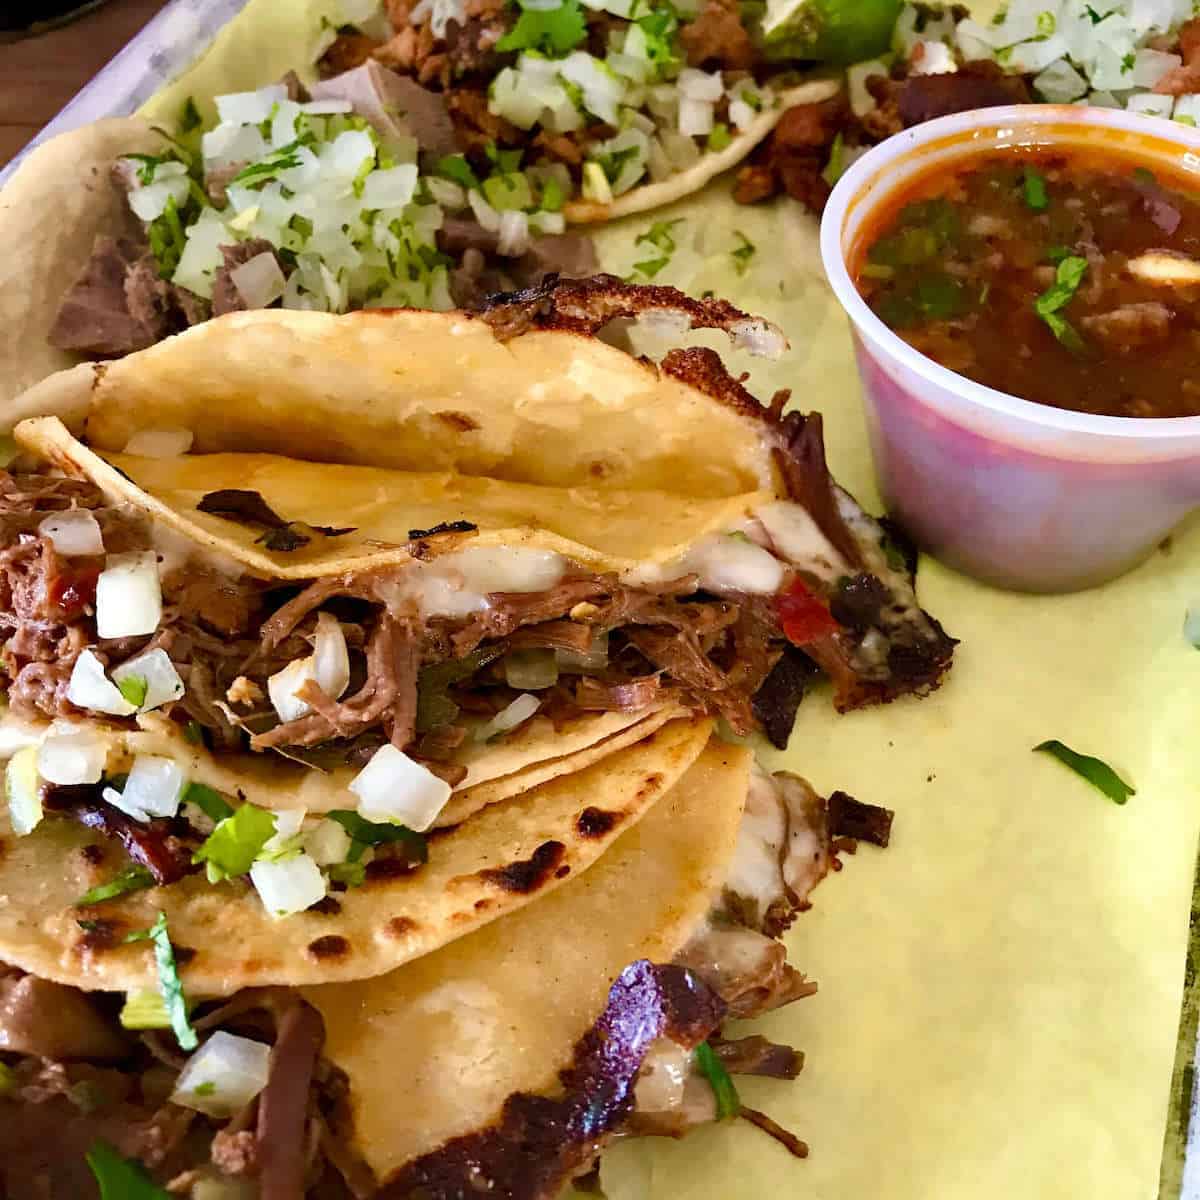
[833, 31]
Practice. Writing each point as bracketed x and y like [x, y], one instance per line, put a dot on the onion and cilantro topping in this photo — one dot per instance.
[75, 532]
[395, 788]
[236, 842]
[153, 788]
[288, 885]
[71, 754]
[1097, 772]
[128, 595]
[223, 1076]
[149, 681]
[169, 984]
[1108, 54]
[90, 688]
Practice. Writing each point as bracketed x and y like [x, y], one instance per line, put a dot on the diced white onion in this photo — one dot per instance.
[393, 787]
[228, 145]
[346, 154]
[935, 58]
[700, 85]
[223, 1076]
[603, 90]
[327, 843]
[90, 688]
[1150, 104]
[259, 280]
[22, 791]
[729, 564]
[250, 108]
[326, 108]
[160, 443]
[741, 114]
[595, 184]
[446, 192]
[695, 117]
[150, 202]
[509, 717]
[514, 234]
[154, 788]
[759, 338]
[163, 684]
[128, 596]
[1060, 83]
[485, 214]
[328, 666]
[74, 533]
[74, 755]
[288, 823]
[392, 188]
[682, 151]
[288, 885]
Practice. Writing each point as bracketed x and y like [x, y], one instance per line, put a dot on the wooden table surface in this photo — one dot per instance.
[38, 75]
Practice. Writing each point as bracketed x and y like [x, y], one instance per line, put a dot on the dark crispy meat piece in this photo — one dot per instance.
[49, 1020]
[538, 1143]
[349, 50]
[977, 85]
[757, 1056]
[226, 297]
[863, 822]
[792, 157]
[587, 305]
[716, 37]
[283, 1105]
[776, 703]
[474, 125]
[154, 844]
[858, 601]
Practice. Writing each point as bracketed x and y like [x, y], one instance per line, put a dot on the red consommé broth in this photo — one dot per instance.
[1069, 276]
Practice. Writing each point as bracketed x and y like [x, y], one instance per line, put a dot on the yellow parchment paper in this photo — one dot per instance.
[1000, 990]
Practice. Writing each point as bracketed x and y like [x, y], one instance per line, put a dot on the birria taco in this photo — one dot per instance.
[448, 160]
[502, 1057]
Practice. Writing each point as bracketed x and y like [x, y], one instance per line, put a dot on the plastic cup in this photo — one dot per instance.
[1018, 494]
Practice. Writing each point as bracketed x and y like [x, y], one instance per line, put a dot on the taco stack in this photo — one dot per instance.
[336, 647]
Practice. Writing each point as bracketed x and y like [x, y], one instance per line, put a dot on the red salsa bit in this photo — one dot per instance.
[803, 617]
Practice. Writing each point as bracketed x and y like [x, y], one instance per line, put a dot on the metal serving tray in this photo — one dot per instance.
[174, 40]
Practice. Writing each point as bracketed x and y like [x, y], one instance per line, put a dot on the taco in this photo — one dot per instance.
[389, 183]
[295, 1091]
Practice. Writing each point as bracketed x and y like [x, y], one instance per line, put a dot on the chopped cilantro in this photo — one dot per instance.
[553, 31]
[456, 168]
[506, 161]
[351, 874]
[236, 842]
[282, 159]
[1097, 772]
[169, 983]
[660, 237]
[651, 266]
[364, 833]
[121, 1178]
[190, 118]
[302, 225]
[208, 800]
[1055, 254]
[1046, 24]
[720, 137]
[1068, 277]
[1127, 63]
[743, 252]
[553, 197]
[132, 879]
[713, 1069]
[614, 162]
[207, 1088]
[167, 239]
[149, 164]
[134, 688]
[661, 26]
[1034, 186]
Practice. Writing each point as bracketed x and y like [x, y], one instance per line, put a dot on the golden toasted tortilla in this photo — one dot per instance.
[500, 1011]
[494, 863]
[445, 392]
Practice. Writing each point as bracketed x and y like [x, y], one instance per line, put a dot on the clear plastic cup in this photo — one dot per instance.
[1018, 494]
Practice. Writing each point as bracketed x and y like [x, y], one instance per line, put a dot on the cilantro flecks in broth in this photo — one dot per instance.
[1067, 277]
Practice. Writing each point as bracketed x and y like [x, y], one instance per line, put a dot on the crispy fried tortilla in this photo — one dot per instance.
[559, 1009]
[496, 862]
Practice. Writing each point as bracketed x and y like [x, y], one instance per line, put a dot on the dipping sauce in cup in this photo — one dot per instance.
[1024, 290]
